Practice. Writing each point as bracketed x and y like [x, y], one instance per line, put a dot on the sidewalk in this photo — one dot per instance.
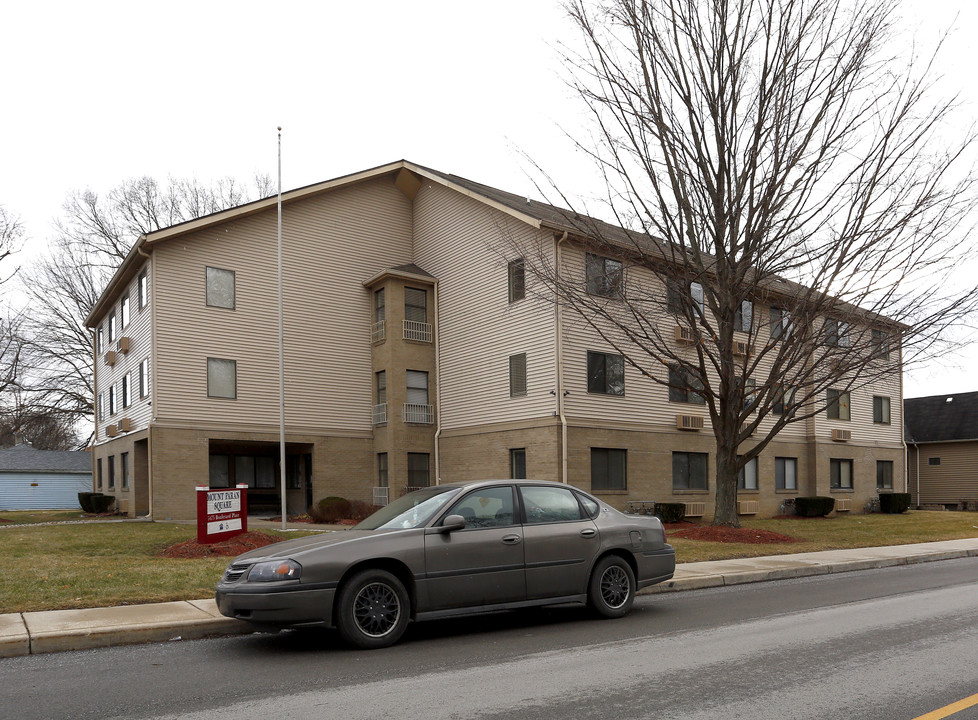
[57, 630]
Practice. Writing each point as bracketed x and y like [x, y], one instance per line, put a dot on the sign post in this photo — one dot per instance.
[221, 514]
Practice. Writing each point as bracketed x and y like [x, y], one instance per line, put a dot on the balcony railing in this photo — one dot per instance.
[421, 414]
[380, 414]
[414, 330]
[378, 333]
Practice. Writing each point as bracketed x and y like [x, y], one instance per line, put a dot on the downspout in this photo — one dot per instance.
[437, 389]
[150, 298]
[558, 321]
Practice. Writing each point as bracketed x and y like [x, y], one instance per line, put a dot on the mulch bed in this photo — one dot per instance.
[711, 533]
[228, 548]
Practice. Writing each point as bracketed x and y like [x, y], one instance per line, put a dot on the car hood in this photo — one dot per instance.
[300, 546]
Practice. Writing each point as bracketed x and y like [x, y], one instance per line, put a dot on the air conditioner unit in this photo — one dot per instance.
[689, 422]
[695, 509]
[741, 348]
[748, 507]
[123, 345]
[684, 335]
[843, 505]
[381, 495]
[125, 425]
[110, 358]
[841, 435]
[112, 431]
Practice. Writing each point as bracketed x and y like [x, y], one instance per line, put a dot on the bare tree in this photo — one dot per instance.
[765, 153]
[94, 236]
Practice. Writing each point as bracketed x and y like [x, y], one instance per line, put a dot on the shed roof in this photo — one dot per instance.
[24, 458]
[941, 418]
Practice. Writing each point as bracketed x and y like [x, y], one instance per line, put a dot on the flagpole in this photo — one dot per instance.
[281, 343]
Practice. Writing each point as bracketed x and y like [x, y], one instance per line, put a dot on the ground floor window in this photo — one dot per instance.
[747, 477]
[689, 471]
[884, 474]
[840, 474]
[124, 470]
[382, 470]
[111, 463]
[786, 473]
[608, 469]
[418, 474]
[517, 463]
[98, 472]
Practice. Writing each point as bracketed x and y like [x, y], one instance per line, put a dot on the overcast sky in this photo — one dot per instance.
[98, 92]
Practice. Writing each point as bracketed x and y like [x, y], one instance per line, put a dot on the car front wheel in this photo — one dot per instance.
[372, 609]
[611, 591]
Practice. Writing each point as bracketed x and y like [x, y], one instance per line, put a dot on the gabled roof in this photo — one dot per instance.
[941, 418]
[24, 458]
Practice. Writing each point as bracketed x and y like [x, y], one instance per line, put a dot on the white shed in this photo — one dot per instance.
[43, 479]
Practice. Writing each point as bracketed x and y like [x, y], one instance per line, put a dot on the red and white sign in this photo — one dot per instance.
[221, 514]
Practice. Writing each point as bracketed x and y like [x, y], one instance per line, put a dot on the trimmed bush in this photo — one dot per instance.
[85, 500]
[894, 503]
[818, 506]
[361, 510]
[670, 512]
[331, 509]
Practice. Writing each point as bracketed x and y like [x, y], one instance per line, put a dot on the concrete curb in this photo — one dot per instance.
[57, 630]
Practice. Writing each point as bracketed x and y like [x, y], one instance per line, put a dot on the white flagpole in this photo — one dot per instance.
[281, 343]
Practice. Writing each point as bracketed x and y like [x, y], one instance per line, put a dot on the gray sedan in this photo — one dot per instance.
[452, 550]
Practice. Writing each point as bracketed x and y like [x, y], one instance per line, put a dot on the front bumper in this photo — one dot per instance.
[277, 607]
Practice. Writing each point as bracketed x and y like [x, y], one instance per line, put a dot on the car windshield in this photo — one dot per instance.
[410, 511]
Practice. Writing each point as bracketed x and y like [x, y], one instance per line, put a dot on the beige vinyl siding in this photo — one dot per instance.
[139, 332]
[467, 247]
[955, 480]
[332, 243]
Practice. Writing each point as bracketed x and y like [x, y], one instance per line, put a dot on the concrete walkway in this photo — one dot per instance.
[56, 630]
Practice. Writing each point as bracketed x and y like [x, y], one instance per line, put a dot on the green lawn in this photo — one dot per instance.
[19, 517]
[94, 565]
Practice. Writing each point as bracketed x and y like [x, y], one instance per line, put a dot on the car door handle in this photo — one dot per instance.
[511, 539]
[588, 533]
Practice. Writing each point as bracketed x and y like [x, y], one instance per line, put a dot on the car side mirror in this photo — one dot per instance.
[452, 523]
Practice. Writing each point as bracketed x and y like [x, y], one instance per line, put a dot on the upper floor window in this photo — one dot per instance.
[126, 390]
[144, 378]
[381, 387]
[415, 305]
[124, 310]
[881, 344]
[881, 410]
[99, 340]
[142, 291]
[517, 375]
[605, 276]
[837, 404]
[837, 333]
[100, 406]
[679, 296]
[517, 279]
[780, 323]
[380, 306]
[683, 387]
[744, 316]
[222, 378]
[111, 400]
[605, 373]
[220, 288]
[112, 327]
[417, 387]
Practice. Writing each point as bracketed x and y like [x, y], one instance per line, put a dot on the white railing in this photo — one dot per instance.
[422, 414]
[414, 330]
[378, 333]
[381, 495]
[380, 414]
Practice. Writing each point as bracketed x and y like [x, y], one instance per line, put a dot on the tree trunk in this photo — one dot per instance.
[726, 480]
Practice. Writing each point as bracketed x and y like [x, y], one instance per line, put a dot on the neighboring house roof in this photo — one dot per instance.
[24, 458]
[941, 418]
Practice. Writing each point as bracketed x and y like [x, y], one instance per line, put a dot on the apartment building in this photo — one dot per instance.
[416, 352]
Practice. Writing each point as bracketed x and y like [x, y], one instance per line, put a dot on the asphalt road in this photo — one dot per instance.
[890, 644]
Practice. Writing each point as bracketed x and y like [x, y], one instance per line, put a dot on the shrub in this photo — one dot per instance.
[894, 503]
[670, 512]
[85, 500]
[331, 509]
[100, 503]
[361, 510]
[818, 506]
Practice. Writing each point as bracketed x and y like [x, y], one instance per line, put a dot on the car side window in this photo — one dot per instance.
[591, 507]
[485, 508]
[548, 504]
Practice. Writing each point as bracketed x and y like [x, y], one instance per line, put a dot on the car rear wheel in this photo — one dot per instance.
[372, 609]
[611, 590]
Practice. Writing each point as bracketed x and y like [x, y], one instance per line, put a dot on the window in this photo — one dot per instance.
[293, 481]
[244, 470]
[111, 400]
[840, 474]
[110, 461]
[144, 378]
[608, 469]
[881, 410]
[550, 504]
[517, 280]
[124, 470]
[604, 276]
[837, 404]
[605, 373]
[418, 470]
[679, 295]
[884, 474]
[785, 473]
[220, 288]
[683, 387]
[784, 398]
[750, 393]
[382, 470]
[265, 472]
[126, 390]
[381, 387]
[837, 333]
[380, 306]
[99, 340]
[934, 461]
[100, 406]
[124, 310]
[98, 472]
[517, 463]
[744, 316]
[689, 471]
[747, 478]
[415, 305]
[780, 323]
[222, 378]
[490, 507]
[881, 344]
[112, 327]
[417, 387]
[219, 477]
[142, 291]
[517, 375]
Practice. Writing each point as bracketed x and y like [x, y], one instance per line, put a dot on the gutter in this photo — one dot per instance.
[436, 318]
[558, 321]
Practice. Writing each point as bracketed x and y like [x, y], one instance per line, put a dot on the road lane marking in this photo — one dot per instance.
[947, 710]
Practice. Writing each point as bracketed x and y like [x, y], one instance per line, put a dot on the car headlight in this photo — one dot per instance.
[275, 571]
